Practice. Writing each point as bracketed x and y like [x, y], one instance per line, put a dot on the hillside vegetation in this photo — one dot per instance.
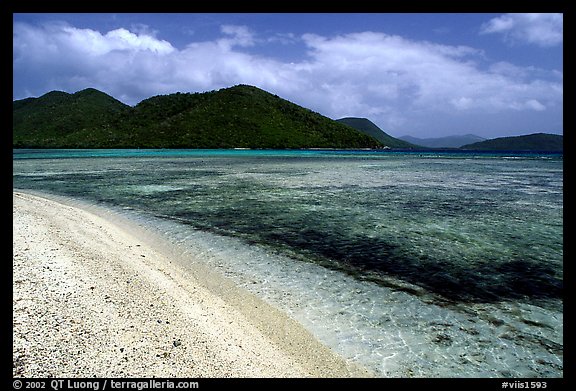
[237, 117]
[368, 127]
[58, 115]
[532, 142]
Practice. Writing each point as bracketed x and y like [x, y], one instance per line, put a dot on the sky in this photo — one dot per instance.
[423, 75]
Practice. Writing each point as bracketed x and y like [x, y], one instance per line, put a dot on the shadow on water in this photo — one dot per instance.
[375, 259]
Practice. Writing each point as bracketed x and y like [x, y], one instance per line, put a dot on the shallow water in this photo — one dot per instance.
[413, 264]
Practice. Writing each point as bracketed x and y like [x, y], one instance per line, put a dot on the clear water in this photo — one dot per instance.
[429, 264]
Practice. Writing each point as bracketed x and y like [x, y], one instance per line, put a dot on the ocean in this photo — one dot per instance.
[411, 263]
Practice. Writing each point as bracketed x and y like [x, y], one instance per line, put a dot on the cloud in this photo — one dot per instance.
[283, 38]
[62, 38]
[401, 84]
[544, 30]
[240, 35]
[361, 69]
[57, 55]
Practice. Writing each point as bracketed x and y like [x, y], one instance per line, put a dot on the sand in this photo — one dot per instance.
[95, 297]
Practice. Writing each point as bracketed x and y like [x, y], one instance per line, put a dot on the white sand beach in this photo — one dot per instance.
[92, 297]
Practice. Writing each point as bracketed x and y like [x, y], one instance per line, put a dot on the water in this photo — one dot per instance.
[431, 264]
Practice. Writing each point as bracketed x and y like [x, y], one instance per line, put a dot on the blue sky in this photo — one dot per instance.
[425, 75]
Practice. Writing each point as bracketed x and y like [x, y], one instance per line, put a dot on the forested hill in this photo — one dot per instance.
[237, 117]
[543, 142]
[368, 127]
[57, 115]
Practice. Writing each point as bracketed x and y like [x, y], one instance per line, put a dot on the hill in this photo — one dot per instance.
[366, 126]
[533, 142]
[455, 141]
[57, 115]
[237, 117]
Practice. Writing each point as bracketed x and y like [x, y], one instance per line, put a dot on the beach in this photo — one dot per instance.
[95, 298]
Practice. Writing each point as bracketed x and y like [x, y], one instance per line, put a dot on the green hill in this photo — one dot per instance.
[238, 117]
[366, 126]
[58, 115]
[532, 142]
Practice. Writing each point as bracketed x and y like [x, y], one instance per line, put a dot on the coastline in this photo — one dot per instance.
[94, 297]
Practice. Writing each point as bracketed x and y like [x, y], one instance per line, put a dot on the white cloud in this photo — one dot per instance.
[239, 35]
[65, 39]
[533, 104]
[375, 67]
[544, 30]
[122, 39]
[462, 103]
[396, 82]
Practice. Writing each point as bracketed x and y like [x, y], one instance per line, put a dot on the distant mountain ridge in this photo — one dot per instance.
[543, 142]
[241, 116]
[368, 127]
[454, 141]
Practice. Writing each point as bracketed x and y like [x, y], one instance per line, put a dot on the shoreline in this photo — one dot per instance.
[96, 297]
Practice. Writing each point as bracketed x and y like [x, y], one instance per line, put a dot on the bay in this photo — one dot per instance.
[428, 264]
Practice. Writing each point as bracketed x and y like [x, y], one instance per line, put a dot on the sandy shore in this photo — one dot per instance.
[92, 297]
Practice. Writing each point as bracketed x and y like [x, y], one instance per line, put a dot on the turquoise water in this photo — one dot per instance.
[412, 263]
